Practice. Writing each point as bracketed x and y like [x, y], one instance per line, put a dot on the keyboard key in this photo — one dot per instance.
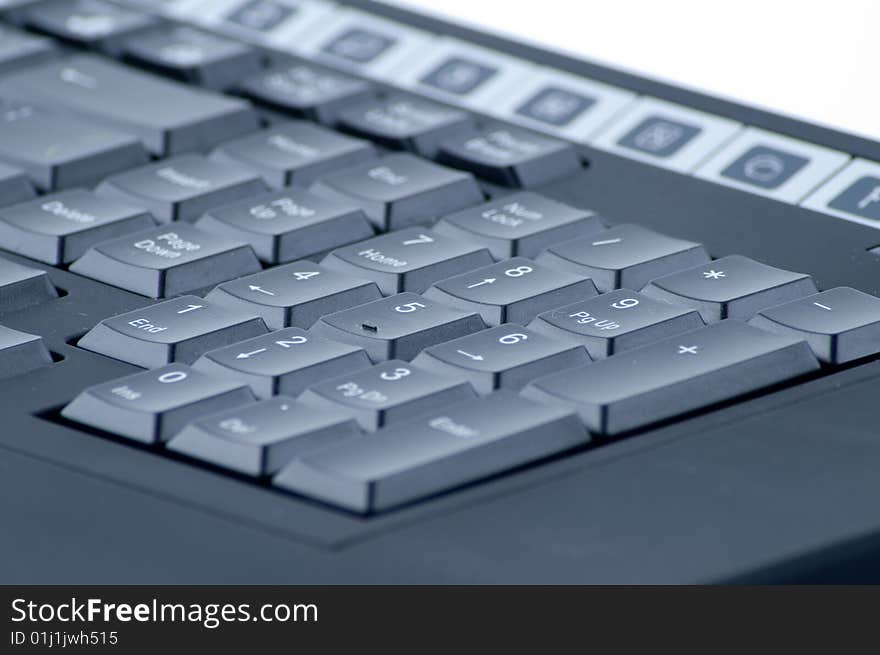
[386, 393]
[512, 291]
[21, 352]
[407, 260]
[192, 56]
[14, 186]
[182, 188]
[19, 49]
[616, 321]
[166, 116]
[305, 90]
[400, 190]
[23, 286]
[166, 261]
[60, 152]
[731, 287]
[624, 257]
[405, 123]
[398, 327]
[177, 330]
[841, 325]
[295, 152]
[89, 23]
[674, 376]
[283, 362]
[290, 224]
[295, 294]
[153, 406]
[442, 450]
[521, 224]
[507, 356]
[511, 157]
[59, 228]
[260, 439]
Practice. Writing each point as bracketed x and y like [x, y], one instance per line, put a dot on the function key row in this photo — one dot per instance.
[563, 105]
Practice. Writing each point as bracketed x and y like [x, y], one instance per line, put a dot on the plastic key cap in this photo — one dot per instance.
[290, 224]
[166, 261]
[624, 257]
[59, 228]
[19, 49]
[60, 152]
[182, 188]
[511, 157]
[260, 439]
[153, 406]
[286, 361]
[841, 325]
[452, 446]
[512, 291]
[295, 152]
[14, 186]
[407, 260]
[731, 287]
[507, 356]
[295, 294]
[521, 224]
[305, 90]
[675, 376]
[21, 352]
[398, 327]
[23, 286]
[616, 321]
[400, 190]
[404, 123]
[386, 393]
[192, 56]
[93, 24]
[177, 330]
[166, 116]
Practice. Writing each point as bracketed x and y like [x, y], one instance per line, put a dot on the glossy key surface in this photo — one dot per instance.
[177, 330]
[444, 449]
[407, 260]
[295, 294]
[398, 327]
[677, 375]
[841, 325]
[168, 260]
[285, 361]
[731, 287]
[152, 406]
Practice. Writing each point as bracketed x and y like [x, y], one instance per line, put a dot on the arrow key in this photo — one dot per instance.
[512, 291]
[283, 362]
[507, 356]
[296, 294]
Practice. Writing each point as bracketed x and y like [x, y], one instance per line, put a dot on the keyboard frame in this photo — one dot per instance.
[692, 500]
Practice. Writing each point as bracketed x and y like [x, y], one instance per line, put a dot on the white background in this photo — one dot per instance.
[810, 59]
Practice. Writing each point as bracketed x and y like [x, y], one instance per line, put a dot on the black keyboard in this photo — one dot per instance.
[330, 271]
